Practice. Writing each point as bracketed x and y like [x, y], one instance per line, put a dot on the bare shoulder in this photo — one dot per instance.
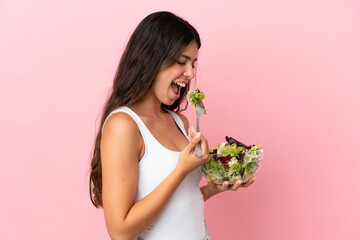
[120, 133]
[118, 125]
[185, 120]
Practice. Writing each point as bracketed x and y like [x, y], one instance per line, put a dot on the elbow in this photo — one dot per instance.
[114, 235]
[120, 234]
[120, 228]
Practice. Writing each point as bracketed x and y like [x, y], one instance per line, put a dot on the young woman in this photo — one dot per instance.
[144, 172]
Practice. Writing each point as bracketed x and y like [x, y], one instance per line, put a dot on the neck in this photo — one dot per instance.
[148, 106]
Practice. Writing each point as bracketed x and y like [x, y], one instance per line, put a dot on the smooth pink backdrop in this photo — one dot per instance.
[281, 73]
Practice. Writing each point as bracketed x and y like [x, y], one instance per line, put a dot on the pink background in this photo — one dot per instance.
[281, 73]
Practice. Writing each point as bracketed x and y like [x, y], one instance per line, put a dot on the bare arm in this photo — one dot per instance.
[120, 151]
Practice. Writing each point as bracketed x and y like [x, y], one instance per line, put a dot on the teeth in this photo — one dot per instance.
[180, 84]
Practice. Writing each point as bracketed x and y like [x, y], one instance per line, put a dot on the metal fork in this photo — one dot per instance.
[200, 109]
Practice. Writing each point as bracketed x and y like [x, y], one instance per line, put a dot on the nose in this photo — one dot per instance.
[189, 71]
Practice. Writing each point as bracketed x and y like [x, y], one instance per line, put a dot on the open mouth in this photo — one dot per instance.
[176, 87]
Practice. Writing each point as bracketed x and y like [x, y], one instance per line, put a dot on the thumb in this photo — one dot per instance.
[196, 139]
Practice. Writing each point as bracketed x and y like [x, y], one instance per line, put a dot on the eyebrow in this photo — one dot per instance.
[187, 57]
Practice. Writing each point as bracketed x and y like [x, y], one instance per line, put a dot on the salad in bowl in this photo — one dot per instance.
[232, 161]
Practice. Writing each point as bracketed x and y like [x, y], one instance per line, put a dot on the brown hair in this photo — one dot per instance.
[158, 41]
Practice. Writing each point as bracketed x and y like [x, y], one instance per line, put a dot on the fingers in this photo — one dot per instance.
[218, 187]
[227, 186]
[197, 138]
[191, 133]
[236, 185]
[204, 146]
[247, 179]
[248, 183]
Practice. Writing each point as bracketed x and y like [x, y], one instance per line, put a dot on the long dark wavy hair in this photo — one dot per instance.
[157, 42]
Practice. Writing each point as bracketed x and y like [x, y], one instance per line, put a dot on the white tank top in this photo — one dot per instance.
[183, 216]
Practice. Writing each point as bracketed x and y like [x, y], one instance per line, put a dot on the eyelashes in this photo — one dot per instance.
[183, 63]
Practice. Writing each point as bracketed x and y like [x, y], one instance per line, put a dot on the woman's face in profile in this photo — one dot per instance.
[169, 81]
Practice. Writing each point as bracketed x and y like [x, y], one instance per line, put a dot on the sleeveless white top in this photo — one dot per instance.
[183, 216]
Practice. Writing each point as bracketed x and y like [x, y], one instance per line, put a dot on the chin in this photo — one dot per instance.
[169, 102]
